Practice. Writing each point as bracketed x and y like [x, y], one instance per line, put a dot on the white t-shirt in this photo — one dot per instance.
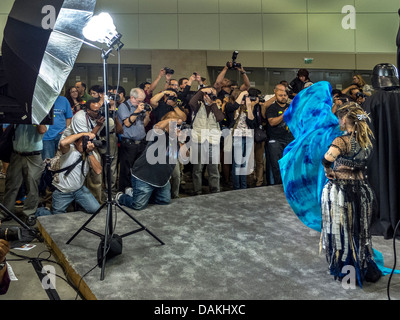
[75, 179]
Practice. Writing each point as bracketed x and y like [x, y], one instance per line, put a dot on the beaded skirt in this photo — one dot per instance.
[345, 236]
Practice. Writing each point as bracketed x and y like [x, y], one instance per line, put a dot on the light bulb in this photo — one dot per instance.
[100, 28]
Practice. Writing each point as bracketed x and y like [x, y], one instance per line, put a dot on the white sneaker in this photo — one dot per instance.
[129, 191]
[117, 196]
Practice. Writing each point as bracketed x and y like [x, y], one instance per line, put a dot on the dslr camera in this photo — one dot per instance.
[361, 95]
[172, 98]
[212, 96]
[147, 107]
[183, 126]
[169, 70]
[97, 143]
[234, 63]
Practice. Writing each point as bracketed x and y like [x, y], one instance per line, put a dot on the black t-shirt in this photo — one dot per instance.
[156, 164]
[162, 109]
[281, 131]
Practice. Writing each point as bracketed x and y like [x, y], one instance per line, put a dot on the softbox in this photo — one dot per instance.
[37, 58]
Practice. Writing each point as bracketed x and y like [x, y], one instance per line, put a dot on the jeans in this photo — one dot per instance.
[144, 193]
[243, 163]
[61, 200]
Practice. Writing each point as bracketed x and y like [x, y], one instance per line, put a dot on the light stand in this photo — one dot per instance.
[114, 44]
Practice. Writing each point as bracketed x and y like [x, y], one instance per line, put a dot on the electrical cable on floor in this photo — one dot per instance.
[30, 259]
[394, 264]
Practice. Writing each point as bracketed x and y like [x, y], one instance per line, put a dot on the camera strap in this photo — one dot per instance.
[69, 168]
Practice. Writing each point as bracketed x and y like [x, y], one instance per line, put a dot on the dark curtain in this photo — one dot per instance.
[384, 165]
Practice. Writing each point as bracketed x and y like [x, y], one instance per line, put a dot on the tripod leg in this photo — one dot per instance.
[12, 215]
[108, 230]
[86, 223]
[143, 227]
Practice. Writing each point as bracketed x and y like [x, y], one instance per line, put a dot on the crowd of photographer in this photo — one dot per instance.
[235, 133]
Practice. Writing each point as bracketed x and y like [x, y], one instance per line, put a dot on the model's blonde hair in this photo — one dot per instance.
[357, 117]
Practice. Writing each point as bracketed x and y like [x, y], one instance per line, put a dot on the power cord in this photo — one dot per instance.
[394, 264]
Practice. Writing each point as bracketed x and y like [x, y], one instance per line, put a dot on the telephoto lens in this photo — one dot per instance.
[10, 234]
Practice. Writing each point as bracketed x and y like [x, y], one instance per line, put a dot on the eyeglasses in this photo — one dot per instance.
[138, 100]
[94, 111]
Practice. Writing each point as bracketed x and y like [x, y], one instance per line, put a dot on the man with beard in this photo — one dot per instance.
[278, 132]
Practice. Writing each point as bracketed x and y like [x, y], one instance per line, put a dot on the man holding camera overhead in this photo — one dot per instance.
[206, 136]
[134, 115]
[164, 102]
[223, 85]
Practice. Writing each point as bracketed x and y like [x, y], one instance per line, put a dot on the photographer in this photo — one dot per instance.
[134, 116]
[223, 85]
[206, 136]
[4, 277]
[241, 120]
[278, 133]
[152, 171]
[91, 119]
[77, 150]
[164, 102]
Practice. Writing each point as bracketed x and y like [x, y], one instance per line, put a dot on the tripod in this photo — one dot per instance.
[110, 202]
[31, 231]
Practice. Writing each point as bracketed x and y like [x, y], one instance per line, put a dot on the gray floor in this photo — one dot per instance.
[237, 245]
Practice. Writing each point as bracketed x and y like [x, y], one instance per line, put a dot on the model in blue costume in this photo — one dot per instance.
[314, 127]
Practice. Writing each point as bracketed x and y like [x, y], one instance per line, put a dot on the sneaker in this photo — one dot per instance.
[19, 203]
[129, 191]
[117, 196]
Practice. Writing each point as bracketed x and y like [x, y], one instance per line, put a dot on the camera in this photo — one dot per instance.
[147, 107]
[115, 97]
[10, 234]
[97, 143]
[172, 98]
[212, 96]
[183, 126]
[234, 63]
[102, 112]
[169, 70]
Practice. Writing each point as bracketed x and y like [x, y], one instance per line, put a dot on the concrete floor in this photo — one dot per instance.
[253, 249]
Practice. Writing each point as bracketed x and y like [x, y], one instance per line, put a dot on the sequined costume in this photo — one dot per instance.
[346, 205]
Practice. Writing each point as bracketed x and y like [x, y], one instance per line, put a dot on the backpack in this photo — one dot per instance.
[52, 169]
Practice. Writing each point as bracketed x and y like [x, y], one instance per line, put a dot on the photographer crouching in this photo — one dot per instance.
[78, 156]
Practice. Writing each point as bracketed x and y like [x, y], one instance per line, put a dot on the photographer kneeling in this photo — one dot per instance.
[77, 150]
[152, 171]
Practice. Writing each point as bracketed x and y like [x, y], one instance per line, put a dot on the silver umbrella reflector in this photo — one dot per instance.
[37, 61]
